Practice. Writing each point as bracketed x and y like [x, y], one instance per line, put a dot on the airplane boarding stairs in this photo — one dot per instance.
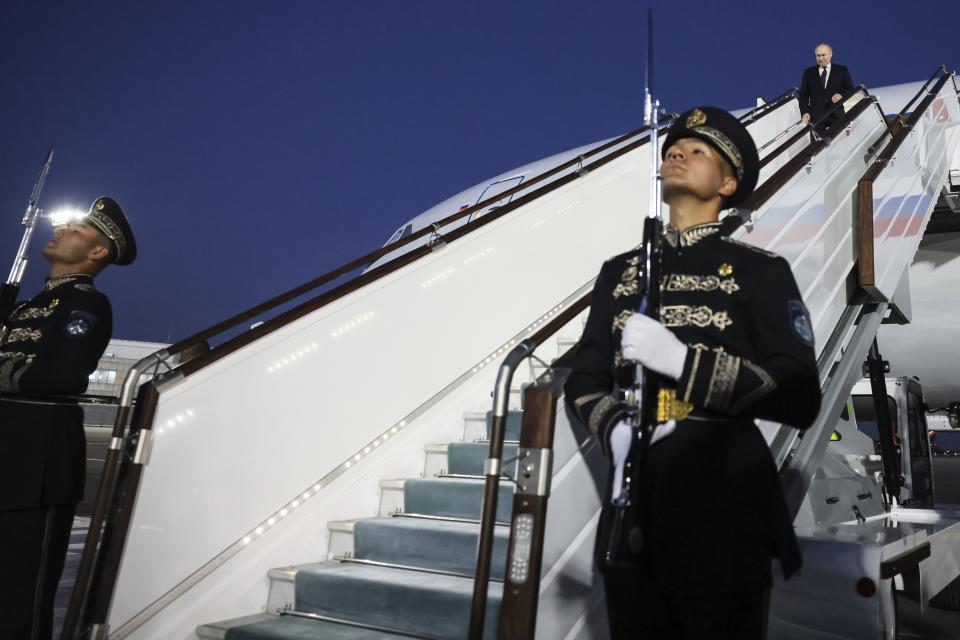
[397, 558]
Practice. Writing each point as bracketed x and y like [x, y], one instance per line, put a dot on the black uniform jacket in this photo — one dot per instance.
[52, 345]
[715, 509]
[813, 98]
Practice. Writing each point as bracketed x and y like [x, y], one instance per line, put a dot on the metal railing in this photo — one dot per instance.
[534, 460]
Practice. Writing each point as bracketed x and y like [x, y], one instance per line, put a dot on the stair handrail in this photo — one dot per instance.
[841, 360]
[810, 127]
[311, 305]
[900, 129]
[761, 110]
[905, 111]
[792, 167]
[494, 463]
[136, 446]
[372, 256]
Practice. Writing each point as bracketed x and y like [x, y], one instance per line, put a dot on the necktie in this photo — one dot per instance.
[823, 77]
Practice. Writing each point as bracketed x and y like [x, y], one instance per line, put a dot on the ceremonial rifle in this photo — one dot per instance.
[625, 540]
[10, 288]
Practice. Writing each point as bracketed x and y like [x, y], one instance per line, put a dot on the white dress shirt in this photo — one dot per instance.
[823, 81]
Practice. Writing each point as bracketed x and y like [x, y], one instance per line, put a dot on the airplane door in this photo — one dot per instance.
[494, 188]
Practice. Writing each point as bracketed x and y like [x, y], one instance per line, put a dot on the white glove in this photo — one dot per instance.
[620, 439]
[646, 341]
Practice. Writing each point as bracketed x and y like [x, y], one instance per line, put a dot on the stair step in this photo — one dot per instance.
[428, 603]
[435, 459]
[294, 628]
[391, 496]
[341, 537]
[432, 544]
[514, 420]
[218, 630]
[469, 457]
[459, 498]
[479, 425]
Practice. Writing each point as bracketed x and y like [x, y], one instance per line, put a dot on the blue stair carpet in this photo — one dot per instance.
[454, 497]
[427, 603]
[403, 599]
[292, 628]
[444, 546]
[514, 420]
[467, 458]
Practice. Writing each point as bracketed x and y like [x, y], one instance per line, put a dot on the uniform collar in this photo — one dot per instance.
[691, 235]
[53, 283]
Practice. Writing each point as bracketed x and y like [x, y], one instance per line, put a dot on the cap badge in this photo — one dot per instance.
[98, 205]
[696, 119]
[725, 269]
[629, 274]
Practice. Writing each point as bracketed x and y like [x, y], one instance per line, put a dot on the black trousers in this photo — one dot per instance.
[637, 610]
[33, 548]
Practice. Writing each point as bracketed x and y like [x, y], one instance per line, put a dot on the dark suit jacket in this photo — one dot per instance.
[54, 342]
[813, 98]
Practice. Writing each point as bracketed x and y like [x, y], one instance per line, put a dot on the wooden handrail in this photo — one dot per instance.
[866, 274]
[372, 256]
[767, 107]
[793, 166]
[906, 108]
[272, 325]
[492, 469]
[811, 126]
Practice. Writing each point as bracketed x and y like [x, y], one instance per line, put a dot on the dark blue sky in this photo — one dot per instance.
[256, 145]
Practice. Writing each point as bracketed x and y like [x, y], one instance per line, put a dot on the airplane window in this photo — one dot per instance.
[400, 234]
[494, 189]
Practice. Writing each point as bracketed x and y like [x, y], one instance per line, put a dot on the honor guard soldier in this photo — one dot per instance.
[51, 344]
[733, 343]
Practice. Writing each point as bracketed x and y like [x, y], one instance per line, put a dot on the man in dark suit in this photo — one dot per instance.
[49, 346]
[822, 86]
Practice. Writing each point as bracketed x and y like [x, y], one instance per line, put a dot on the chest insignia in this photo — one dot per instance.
[21, 334]
[725, 269]
[32, 313]
[629, 274]
[681, 315]
[621, 319]
[680, 282]
[628, 289]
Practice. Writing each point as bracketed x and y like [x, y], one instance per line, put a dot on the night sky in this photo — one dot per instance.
[256, 145]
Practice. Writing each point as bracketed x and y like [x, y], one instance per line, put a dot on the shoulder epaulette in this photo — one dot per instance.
[746, 245]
